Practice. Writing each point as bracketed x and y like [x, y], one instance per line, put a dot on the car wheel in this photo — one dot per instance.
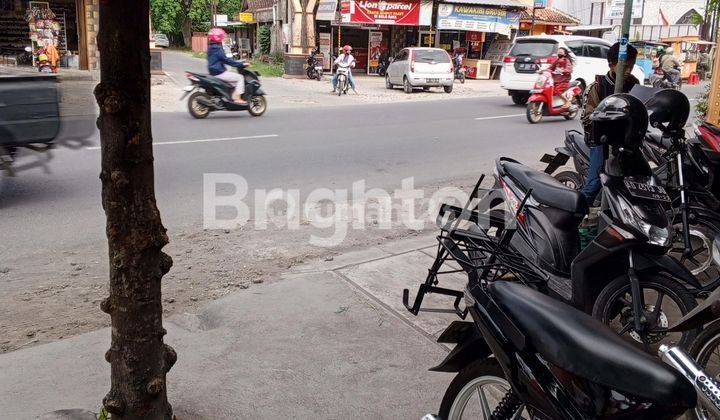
[407, 86]
[388, 85]
[426, 89]
[448, 89]
[519, 99]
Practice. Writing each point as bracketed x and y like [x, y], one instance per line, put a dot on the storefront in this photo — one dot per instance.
[375, 29]
[470, 29]
[70, 25]
[547, 21]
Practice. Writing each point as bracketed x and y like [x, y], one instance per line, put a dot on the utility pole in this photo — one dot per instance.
[532, 22]
[624, 37]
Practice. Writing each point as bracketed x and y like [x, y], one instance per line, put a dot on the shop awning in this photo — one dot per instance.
[501, 3]
[326, 10]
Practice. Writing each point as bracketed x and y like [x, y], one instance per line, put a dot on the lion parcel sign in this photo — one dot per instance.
[476, 18]
[372, 12]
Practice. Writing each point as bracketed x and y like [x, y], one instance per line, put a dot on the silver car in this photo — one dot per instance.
[420, 68]
[161, 40]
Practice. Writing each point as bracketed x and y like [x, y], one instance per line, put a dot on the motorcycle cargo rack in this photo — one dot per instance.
[479, 250]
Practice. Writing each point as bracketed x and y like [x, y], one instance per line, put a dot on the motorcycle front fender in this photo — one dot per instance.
[667, 264]
[537, 97]
[259, 92]
[469, 346]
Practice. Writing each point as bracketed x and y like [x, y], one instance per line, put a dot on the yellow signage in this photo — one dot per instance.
[246, 17]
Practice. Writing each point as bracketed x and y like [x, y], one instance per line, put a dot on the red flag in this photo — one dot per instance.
[663, 18]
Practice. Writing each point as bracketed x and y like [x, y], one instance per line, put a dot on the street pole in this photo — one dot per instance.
[624, 37]
[532, 23]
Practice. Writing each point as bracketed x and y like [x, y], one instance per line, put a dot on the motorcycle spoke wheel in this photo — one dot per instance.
[196, 109]
[533, 112]
[258, 106]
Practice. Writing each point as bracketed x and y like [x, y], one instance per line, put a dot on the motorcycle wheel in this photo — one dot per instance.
[319, 76]
[533, 113]
[257, 106]
[570, 179]
[475, 392]
[700, 262]
[705, 350]
[196, 109]
[613, 307]
[462, 78]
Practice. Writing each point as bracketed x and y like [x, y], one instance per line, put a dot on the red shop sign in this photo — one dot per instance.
[381, 12]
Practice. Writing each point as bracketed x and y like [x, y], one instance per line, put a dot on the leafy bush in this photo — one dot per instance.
[701, 107]
[278, 57]
[264, 39]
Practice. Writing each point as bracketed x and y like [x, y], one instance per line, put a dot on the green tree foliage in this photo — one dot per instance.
[168, 15]
[264, 39]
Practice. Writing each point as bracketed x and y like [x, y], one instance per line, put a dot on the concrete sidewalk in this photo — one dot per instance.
[330, 340]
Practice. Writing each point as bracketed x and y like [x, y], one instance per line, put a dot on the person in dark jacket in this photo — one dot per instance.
[603, 87]
[216, 64]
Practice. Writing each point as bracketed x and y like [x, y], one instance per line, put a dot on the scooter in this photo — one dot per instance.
[208, 93]
[460, 70]
[314, 69]
[343, 81]
[384, 64]
[662, 80]
[542, 100]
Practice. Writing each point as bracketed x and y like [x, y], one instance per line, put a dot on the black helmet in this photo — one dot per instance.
[668, 107]
[620, 120]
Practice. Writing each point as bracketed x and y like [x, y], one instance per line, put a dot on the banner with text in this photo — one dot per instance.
[380, 12]
[476, 18]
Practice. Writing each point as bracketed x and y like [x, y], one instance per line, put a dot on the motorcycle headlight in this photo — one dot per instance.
[656, 235]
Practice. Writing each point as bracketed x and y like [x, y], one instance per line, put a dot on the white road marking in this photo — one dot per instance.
[498, 117]
[163, 143]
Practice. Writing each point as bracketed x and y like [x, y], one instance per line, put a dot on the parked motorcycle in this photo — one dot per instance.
[43, 64]
[208, 94]
[662, 80]
[682, 167]
[543, 101]
[314, 67]
[385, 61]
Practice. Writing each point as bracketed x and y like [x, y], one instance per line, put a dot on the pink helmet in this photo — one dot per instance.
[216, 35]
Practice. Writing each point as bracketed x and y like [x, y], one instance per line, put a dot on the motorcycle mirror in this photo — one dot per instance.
[28, 49]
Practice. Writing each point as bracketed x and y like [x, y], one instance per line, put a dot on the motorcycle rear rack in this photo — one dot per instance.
[483, 256]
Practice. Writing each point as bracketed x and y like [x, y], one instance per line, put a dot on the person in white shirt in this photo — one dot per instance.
[347, 60]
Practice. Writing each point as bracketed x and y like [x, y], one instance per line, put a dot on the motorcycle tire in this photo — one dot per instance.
[257, 105]
[462, 79]
[532, 112]
[463, 390]
[570, 179]
[608, 307]
[702, 349]
[319, 76]
[196, 109]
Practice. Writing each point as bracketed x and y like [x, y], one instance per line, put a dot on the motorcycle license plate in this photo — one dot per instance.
[318, 68]
[647, 191]
[527, 66]
[432, 80]
[189, 88]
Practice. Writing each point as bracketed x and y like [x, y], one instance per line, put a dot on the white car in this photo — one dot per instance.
[529, 54]
[420, 68]
[161, 40]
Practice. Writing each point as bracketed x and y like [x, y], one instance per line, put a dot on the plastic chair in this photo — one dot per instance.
[693, 79]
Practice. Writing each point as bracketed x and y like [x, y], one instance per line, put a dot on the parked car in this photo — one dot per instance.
[161, 40]
[423, 68]
[530, 54]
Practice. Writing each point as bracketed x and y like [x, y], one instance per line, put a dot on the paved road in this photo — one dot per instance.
[302, 148]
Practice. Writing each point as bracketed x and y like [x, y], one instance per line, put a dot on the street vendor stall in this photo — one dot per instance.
[647, 52]
[686, 49]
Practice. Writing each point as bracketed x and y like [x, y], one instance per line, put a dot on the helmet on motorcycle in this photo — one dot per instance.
[347, 49]
[669, 107]
[42, 57]
[620, 120]
[669, 51]
[216, 35]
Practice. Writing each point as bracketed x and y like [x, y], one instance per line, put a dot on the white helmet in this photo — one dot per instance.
[669, 50]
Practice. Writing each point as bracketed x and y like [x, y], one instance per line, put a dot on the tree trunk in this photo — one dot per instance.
[187, 31]
[139, 360]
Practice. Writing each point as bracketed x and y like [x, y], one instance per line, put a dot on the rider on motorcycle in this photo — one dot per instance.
[561, 71]
[347, 59]
[670, 65]
[603, 87]
[216, 64]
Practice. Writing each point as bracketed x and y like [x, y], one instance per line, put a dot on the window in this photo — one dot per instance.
[434, 56]
[595, 51]
[576, 47]
[534, 48]
[402, 55]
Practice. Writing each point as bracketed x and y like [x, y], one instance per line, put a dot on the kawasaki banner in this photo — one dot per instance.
[476, 18]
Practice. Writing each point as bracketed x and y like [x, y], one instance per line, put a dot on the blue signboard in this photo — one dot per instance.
[540, 4]
[476, 18]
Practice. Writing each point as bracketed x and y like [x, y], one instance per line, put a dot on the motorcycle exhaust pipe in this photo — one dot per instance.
[707, 388]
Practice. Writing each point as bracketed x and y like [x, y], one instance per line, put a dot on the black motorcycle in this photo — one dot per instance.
[460, 70]
[383, 65]
[662, 80]
[314, 67]
[682, 166]
[208, 93]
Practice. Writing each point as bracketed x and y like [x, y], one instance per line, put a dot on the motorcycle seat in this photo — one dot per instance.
[659, 140]
[545, 189]
[578, 139]
[581, 345]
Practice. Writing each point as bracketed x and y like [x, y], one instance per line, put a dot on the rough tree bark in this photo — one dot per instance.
[138, 358]
[187, 23]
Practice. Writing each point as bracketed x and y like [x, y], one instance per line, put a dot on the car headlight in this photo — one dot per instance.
[656, 235]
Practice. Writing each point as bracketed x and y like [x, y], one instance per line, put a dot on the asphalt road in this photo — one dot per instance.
[304, 148]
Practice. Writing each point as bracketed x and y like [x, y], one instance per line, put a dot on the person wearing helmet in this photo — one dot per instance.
[347, 59]
[670, 64]
[216, 64]
[601, 88]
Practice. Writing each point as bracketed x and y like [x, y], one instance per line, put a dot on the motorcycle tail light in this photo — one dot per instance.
[191, 77]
